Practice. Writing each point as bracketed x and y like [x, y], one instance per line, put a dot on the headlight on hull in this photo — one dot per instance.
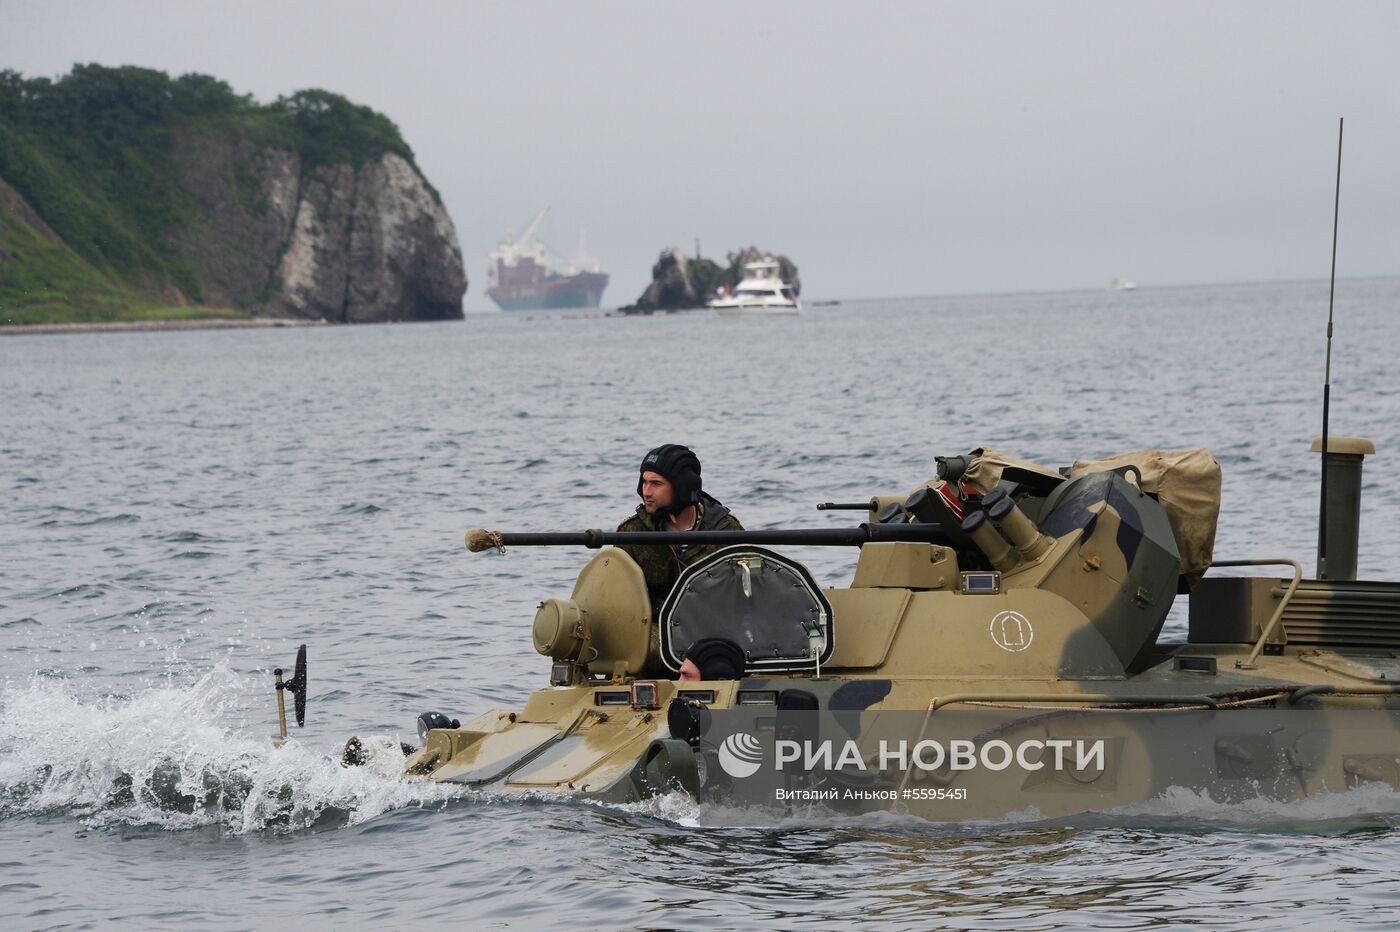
[559, 629]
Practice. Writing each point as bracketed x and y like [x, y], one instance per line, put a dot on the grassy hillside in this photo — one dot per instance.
[90, 154]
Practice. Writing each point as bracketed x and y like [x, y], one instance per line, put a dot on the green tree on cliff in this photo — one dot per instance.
[90, 153]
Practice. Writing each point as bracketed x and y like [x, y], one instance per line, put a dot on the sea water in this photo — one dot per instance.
[178, 511]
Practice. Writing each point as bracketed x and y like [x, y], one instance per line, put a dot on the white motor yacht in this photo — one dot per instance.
[761, 292]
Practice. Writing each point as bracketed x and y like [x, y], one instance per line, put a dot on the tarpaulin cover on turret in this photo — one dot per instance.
[1187, 484]
[990, 467]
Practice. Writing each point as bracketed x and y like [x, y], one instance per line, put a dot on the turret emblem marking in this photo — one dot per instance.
[1012, 631]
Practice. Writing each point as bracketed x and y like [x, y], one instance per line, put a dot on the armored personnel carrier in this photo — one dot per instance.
[997, 652]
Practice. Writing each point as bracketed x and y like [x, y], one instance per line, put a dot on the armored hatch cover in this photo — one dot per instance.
[766, 603]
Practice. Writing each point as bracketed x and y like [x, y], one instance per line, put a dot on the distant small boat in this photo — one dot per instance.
[762, 291]
[1122, 284]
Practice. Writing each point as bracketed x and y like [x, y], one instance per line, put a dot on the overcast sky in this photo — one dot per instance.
[888, 148]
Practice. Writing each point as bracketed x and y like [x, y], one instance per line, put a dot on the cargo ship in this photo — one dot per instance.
[525, 276]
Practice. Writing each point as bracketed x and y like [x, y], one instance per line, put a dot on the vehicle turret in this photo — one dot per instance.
[1097, 573]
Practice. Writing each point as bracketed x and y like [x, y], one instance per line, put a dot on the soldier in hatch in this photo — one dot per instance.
[672, 501]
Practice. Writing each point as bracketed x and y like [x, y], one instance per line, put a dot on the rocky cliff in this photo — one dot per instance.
[122, 188]
[341, 243]
[672, 285]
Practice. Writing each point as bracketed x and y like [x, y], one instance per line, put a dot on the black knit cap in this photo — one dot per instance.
[678, 466]
[717, 659]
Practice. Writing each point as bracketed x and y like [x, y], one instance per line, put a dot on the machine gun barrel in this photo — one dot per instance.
[479, 539]
[843, 506]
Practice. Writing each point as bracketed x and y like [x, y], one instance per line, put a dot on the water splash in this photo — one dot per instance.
[167, 757]
[676, 808]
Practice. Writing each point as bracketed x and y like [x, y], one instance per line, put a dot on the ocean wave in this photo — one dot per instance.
[355, 508]
[123, 518]
[190, 537]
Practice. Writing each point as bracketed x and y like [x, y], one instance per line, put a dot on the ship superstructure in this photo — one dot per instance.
[526, 275]
[761, 291]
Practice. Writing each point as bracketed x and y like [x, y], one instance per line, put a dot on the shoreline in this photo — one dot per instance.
[193, 323]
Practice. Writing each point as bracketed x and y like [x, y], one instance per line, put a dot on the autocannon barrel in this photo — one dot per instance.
[479, 539]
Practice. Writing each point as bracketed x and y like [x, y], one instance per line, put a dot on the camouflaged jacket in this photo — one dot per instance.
[662, 563]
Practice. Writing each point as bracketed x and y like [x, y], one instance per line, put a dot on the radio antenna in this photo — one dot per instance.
[1327, 371]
